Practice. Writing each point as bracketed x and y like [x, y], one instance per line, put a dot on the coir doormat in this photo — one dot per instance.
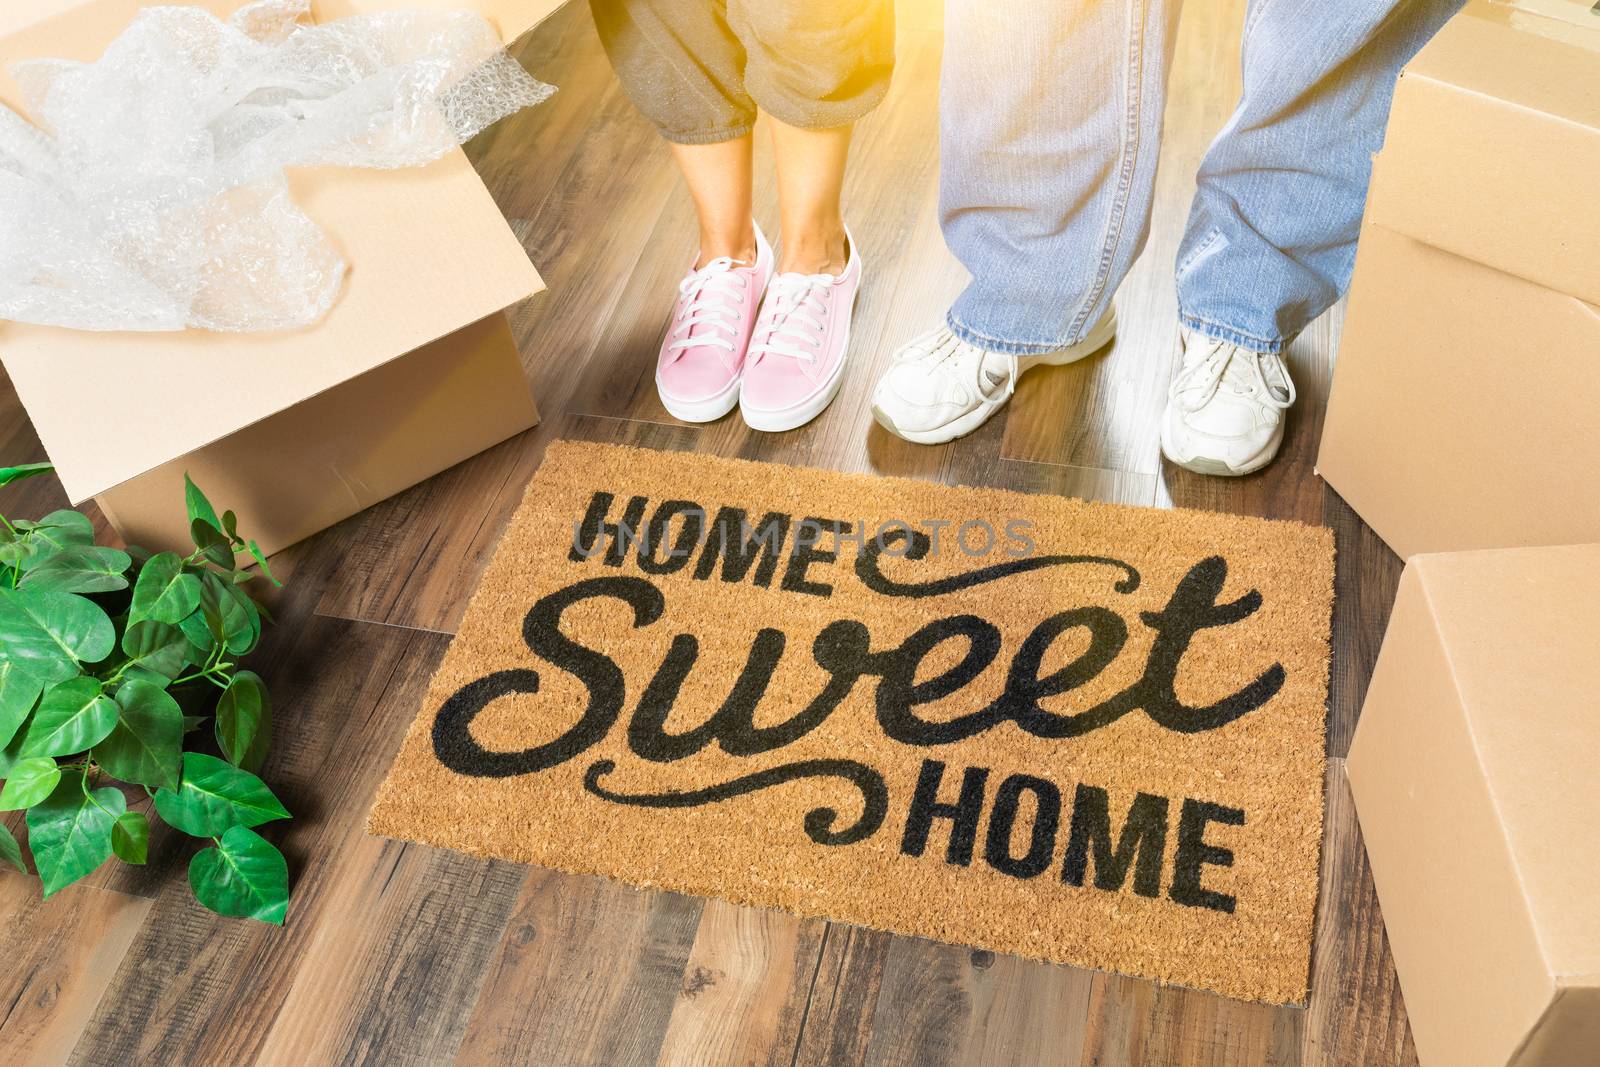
[1079, 732]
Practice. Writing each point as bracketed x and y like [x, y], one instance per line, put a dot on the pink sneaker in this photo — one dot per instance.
[697, 373]
[797, 354]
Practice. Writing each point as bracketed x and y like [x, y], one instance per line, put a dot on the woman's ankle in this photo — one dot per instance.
[736, 245]
[814, 249]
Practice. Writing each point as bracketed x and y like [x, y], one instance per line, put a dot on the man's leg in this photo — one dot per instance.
[1050, 127]
[1272, 233]
[1050, 116]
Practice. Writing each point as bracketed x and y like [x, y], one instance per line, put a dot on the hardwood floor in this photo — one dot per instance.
[396, 953]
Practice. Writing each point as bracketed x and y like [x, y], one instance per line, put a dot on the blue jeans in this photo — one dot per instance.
[1051, 122]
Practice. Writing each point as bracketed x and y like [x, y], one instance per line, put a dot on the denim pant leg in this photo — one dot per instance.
[1050, 125]
[1271, 236]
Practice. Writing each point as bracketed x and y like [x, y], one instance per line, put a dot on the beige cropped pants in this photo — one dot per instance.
[700, 69]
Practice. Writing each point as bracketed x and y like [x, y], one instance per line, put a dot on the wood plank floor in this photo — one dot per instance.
[396, 953]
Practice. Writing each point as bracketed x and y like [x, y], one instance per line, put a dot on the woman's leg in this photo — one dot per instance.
[682, 65]
[815, 67]
[718, 176]
[810, 167]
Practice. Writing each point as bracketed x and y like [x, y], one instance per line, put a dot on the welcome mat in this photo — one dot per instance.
[1079, 732]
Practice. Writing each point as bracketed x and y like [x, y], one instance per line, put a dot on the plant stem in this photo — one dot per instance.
[213, 664]
[83, 781]
[210, 674]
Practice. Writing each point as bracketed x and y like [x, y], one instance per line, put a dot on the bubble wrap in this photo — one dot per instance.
[150, 194]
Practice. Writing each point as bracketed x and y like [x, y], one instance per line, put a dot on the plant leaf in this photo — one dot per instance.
[11, 755]
[58, 530]
[28, 782]
[25, 470]
[69, 834]
[156, 647]
[13, 547]
[203, 627]
[73, 715]
[223, 617]
[10, 851]
[242, 621]
[49, 634]
[244, 721]
[199, 507]
[230, 526]
[146, 745]
[261, 558]
[213, 796]
[19, 691]
[79, 569]
[130, 837]
[164, 591]
[211, 542]
[245, 876]
[191, 723]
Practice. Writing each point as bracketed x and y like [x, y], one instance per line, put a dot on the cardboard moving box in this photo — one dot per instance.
[1463, 408]
[1476, 774]
[412, 371]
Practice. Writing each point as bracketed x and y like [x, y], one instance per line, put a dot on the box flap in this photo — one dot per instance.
[428, 252]
[1492, 150]
[1575, 21]
[1519, 629]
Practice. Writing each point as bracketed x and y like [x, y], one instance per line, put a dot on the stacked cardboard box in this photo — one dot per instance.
[413, 370]
[1464, 401]
[1463, 416]
[1476, 773]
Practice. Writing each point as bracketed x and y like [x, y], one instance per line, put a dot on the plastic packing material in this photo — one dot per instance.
[151, 194]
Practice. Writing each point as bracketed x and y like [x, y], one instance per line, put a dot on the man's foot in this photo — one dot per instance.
[798, 352]
[938, 387]
[703, 354]
[1225, 408]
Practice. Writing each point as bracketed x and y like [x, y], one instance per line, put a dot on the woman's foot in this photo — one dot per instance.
[703, 353]
[797, 354]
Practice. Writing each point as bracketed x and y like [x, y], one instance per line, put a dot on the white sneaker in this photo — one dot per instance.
[1225, 407]
[938, 387]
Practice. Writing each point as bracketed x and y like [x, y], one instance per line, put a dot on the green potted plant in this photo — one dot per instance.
[118, 671]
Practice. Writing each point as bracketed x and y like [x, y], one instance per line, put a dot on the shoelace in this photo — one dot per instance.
[713, 296]
[1224, 362]
[942, 346]
[791, 324]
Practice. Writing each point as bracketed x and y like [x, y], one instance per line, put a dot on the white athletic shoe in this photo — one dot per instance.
[938, 387]
[1225, 407]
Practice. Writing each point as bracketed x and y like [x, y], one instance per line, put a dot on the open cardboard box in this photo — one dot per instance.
[1464, 399]
[1474, 774]
[412, 371]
